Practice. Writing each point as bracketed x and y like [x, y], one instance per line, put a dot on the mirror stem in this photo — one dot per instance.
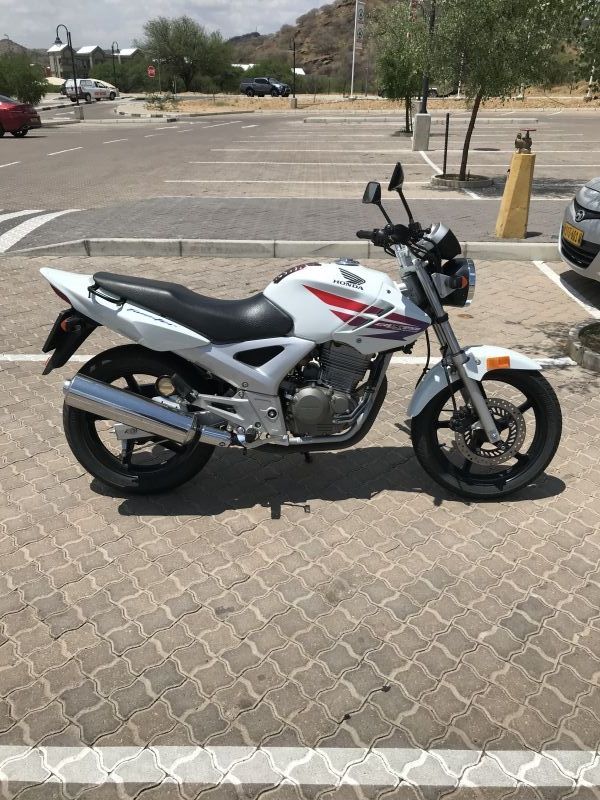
[405, 204]
[385, 214]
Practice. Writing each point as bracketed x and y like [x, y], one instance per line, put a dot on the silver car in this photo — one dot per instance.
[579, 243]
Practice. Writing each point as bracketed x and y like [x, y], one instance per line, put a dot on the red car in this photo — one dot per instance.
[17, 118]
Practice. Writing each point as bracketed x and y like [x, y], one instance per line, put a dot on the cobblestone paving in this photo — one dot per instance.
[272, 603]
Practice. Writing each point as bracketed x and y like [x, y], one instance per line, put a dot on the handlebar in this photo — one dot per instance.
[384, 237]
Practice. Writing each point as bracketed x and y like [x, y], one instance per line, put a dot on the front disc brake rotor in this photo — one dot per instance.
[474, 446]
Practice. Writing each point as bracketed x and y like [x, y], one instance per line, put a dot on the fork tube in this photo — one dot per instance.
[457, 355]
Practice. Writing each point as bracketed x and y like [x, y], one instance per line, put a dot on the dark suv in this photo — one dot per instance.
[263, 86]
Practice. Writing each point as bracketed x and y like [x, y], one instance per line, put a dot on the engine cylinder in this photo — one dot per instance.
[342, 367]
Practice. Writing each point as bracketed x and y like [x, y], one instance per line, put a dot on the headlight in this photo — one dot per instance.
[463, 268]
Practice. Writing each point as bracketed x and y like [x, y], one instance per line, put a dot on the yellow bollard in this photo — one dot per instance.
[514, 209]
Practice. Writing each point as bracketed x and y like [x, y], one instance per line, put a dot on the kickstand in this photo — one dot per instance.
[308, 458]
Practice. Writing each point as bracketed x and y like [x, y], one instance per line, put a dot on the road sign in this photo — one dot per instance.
[151, 71]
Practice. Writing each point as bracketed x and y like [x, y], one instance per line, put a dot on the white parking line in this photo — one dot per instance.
[360, 150]
[304, 163]
[297, 766]
[249, 126]
[397, 361]
[543, 361]
[219, 124]
[150, 135]
[10, 164]
[167, 128]
[569, 290]
[14, 235]
[69, 150]
[112, 141]
[15, 214]
[426, 158]
[308, 150]
[318, 183]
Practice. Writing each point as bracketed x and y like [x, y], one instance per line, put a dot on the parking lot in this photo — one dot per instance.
[277, 628]
[270, 176]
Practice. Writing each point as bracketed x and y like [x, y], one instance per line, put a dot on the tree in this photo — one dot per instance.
[497, 46]
[588, 42]
[131, 76]
[401, 40]
[186, 48]
[21, 80]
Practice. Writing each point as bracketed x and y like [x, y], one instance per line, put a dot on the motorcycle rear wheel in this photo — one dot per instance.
[436, 448]
[152, 466]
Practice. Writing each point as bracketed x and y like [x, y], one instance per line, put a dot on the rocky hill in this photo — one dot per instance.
[323, 42]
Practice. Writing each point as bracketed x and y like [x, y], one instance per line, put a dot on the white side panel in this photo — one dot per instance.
[138, 324]
[220, 360]
[435, 380]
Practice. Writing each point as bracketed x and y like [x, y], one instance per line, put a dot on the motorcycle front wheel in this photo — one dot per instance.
[456, 454]
[148, 465]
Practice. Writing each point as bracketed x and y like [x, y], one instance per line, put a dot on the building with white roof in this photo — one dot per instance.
[92, 54]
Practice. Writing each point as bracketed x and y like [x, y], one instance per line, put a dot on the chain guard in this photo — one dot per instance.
[474, 446]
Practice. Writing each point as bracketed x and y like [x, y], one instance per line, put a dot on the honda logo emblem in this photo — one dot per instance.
[355, 280]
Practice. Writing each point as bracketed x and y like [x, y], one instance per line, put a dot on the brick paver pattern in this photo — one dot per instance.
[344, 603]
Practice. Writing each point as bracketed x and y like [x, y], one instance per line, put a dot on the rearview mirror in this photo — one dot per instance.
[397, 178]
[372, 193]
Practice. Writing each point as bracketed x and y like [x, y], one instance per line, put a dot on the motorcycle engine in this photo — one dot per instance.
[323, 389]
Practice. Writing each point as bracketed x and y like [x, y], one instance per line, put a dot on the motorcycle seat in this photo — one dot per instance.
[221, 321]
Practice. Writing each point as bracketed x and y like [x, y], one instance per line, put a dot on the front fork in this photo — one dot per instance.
[456, 356]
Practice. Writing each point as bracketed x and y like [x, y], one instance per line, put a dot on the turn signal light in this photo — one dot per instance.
[498, 362]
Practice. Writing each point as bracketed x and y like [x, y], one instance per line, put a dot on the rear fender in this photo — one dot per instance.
[134, 322]
[436, 381]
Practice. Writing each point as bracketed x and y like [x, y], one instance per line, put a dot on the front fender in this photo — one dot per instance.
[435, 380]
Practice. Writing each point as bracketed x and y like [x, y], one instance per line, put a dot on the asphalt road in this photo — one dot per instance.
[264, 176]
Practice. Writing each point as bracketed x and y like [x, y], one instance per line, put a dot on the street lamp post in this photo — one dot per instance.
[58, 42]
[112, 52]
[294, 68]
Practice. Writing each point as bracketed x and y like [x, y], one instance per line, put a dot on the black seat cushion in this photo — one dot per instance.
[219, 320]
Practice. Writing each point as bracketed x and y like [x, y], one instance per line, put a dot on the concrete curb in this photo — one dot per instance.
[60, 123]
[175, 115]
[52, 108]
[268, 248]
[474, 182]
[581, 354]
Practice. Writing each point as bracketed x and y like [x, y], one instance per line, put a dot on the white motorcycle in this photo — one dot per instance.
[300, 367]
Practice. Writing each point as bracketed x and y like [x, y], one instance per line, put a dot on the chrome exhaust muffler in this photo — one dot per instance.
[119, 405]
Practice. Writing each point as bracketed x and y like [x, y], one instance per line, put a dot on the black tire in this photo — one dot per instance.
[88, 448]
[87, 97]
[274, 93]
[20, 134]
[2, 131]
[250, 92]
[112, 96]
[509, 478]
[73, 99]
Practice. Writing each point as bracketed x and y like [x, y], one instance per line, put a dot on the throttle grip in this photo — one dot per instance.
[364, 234]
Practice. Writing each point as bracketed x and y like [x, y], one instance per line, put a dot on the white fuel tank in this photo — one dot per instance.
[346, 302]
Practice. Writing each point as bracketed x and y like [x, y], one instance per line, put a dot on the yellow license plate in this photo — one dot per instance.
[572, 234]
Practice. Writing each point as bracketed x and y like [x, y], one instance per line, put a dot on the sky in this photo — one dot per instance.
[32, 23]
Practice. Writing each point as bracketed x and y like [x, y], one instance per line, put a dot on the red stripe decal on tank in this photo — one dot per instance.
[336, 299]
